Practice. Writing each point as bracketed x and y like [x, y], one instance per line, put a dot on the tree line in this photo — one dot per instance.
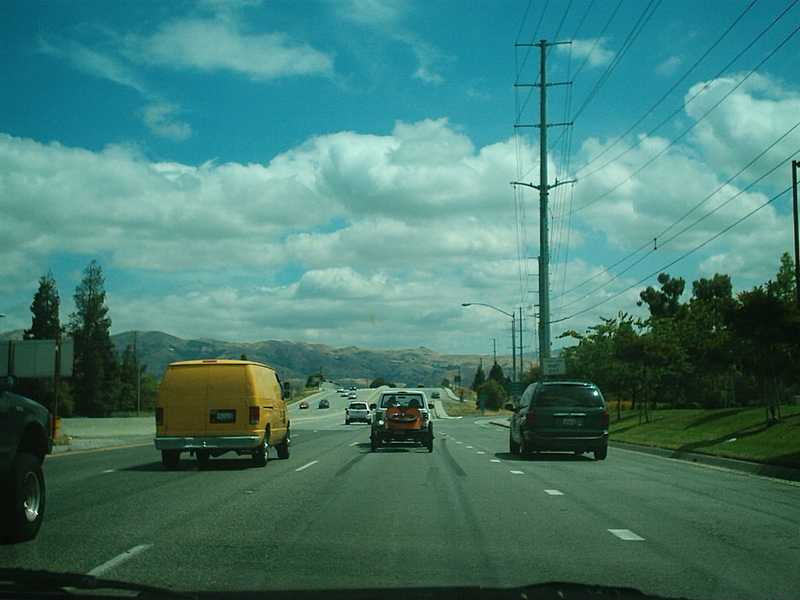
[103, 383]
[714, 350]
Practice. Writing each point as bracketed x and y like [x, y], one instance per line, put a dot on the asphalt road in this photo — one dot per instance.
[335, 515]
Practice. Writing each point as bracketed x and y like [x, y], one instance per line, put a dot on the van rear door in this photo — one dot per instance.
[226, 406]
[185, 400]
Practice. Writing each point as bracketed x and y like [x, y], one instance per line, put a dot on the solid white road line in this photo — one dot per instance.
[313, 462]
[118, 560]
[627, 535]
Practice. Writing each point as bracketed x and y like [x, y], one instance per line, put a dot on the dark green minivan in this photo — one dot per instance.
[560, 416]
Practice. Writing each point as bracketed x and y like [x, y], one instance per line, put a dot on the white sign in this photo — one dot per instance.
[554, 366]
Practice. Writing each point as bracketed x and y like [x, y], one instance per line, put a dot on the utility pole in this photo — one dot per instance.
[544, 191]
[796, 164]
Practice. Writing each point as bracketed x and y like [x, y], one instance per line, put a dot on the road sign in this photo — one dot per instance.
[554, 366]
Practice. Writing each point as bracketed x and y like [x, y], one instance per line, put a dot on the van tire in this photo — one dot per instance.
[284, 449]
[22, 503]
[260, 453]
[171, 459]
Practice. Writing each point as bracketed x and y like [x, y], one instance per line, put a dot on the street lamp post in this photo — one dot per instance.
[513, 334]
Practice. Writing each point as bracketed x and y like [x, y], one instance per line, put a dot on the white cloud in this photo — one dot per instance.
[159, 118]
[590, 52]
[740, 117]
[221, 44]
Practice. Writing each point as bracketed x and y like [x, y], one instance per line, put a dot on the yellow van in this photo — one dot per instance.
[210, 407]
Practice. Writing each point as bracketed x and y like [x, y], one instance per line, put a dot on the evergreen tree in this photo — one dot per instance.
[496, 373]
[95, 378]
[480, 377]
[45, 324]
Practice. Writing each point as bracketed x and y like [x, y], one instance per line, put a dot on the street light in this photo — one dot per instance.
[513, 334]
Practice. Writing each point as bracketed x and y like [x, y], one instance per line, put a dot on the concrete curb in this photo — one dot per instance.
[704, 459]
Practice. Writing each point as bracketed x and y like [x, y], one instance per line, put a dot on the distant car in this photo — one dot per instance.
[24, 442]
[304, 404]
[324, 403]
[401, 416]
[560, 415]
[352, 395]
[435, 395]
[341, 391]
[357, 411]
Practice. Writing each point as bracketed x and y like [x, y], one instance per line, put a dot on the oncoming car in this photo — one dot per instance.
[402, 416]
[560, 415]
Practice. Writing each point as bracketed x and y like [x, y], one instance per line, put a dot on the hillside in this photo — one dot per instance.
[295, 361]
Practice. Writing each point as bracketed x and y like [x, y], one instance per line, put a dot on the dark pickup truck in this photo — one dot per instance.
[24, 442]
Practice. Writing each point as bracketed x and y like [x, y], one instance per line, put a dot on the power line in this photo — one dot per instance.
[677, 260]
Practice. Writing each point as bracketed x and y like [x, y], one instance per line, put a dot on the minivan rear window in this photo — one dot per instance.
[568, 396]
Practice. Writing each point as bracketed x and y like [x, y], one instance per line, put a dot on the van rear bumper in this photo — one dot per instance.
[210, 442]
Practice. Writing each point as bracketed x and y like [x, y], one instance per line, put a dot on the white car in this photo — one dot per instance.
[357, 411]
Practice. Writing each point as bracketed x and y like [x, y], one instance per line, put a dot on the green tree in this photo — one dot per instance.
[95, 380]
[785, 285]
[496, 373]
[493, 394]
[665, 302]
[45, 323]
[480, 377]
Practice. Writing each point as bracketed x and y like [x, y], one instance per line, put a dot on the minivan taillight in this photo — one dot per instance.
[255, 415]
[530, 417]
[159, 416]
[606, 418]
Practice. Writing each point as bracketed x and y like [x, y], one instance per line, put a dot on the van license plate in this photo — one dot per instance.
[223, 416]
[570, 422]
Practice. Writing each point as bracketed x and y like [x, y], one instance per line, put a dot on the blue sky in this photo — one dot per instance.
[338, 171]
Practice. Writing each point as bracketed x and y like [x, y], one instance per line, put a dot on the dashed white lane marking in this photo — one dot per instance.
[313, 462]
[469, 446]
[356, 444]
[627, 535]
[554, 492]
[109, 471]
[118, 560]
[495, 460]
[517, 473]
[479, 452]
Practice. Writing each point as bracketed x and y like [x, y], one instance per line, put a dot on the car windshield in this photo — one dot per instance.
[559, 235]
[568, 396]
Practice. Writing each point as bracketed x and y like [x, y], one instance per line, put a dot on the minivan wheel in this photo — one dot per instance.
[601, 453]
[284, 448]
[171, 459]
[22, 506]
[513, 447]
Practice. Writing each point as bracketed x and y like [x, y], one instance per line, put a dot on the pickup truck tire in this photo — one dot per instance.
[22, 502]
[284, 448]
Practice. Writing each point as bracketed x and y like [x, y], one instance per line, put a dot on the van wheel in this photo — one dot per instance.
[171, 459]
[285, 447]
[601, 453]
[22, 502]
[260, 454]
[513, 447]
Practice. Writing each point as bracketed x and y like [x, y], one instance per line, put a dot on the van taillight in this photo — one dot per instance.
[255, 415]
[159, 416]
[606, 418]
[530, 417]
